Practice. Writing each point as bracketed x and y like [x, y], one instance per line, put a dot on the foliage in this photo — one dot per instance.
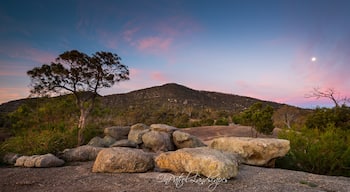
[318, 151]
[81, 75]
[323, 117]
[258, 116]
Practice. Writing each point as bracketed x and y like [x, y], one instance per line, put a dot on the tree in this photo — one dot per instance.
[286, 116]
[82, 75]
[329, 93]
[259, 117]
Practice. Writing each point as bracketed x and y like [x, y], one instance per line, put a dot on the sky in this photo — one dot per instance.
[276, 50]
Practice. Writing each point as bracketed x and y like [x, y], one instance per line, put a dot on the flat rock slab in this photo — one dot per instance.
[204, 161]
[253, 151]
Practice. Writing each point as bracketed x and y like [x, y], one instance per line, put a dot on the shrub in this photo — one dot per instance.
[318, 151]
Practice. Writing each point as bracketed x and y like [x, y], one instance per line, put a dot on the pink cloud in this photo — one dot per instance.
[154, 44]
[158, 76]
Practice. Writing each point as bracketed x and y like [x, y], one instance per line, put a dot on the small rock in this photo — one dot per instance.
[211, 163]
[117, 132]
[108, 140]
[122, 160]
[96, 142]
[136, 132]
[81, 153]
[185, 140]
[47, 160]
[158, 141]
[10, 158]
[124, 143]
[163, 128]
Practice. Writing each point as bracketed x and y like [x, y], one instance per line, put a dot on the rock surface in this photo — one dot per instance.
[204, 161]
[81, 153]
[253, 151]
[47, 160]
[136, 132]
[123, 160]
[158, 141]
[117, 132]
[185, 140]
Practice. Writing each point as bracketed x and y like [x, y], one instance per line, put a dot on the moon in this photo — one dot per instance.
[313, 59]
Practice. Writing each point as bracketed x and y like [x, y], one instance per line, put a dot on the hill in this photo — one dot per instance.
[171, 104]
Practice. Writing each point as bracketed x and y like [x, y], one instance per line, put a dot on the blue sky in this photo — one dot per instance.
[261, 49]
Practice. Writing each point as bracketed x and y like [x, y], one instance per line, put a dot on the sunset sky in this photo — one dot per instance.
[271, 50]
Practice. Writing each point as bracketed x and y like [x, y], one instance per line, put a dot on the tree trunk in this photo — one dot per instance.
[81, 126]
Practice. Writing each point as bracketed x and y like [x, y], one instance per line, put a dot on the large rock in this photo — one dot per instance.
[163, 128]
[205, 161]
[81, 153]
[253, 151]
[47, 160]
[123, 160]
[185, 140]
[136, 132]
[117, 132]
[158, 141]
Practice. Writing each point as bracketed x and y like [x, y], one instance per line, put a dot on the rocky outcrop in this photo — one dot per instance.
[81, 153]
[211, 163]
[117, 132]
[137, 131]
[185, 140]
[253, 151]
[158, 141]
[124, 143]
[47, 160]
[123, 160]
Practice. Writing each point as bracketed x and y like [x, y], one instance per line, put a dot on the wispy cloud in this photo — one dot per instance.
[27, 52]
[154, 44]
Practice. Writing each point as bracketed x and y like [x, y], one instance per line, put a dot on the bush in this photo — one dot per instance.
[318, 151]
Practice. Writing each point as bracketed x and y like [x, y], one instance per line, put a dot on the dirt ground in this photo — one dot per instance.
[78, 177]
